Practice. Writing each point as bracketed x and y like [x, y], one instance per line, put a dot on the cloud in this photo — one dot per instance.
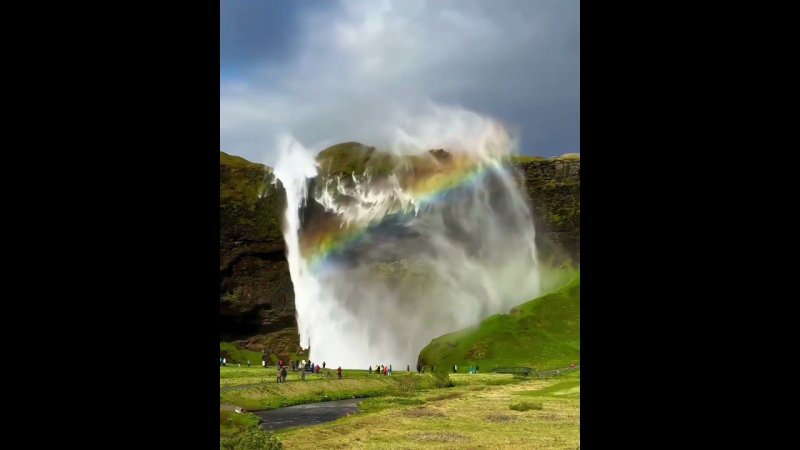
[356, 67]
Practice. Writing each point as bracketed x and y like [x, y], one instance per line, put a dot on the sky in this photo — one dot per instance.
[336, 71]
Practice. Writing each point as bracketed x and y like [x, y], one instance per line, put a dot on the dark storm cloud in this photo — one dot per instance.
[340, 73]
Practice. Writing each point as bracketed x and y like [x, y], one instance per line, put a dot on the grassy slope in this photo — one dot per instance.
[543, 333]
[235, 355]
[274, 395]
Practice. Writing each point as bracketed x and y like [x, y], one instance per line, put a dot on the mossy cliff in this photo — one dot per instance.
[256, 297]
[256, 294]
[554, 188]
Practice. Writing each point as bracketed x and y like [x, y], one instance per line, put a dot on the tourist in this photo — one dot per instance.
[339, 372]
[370, 369]
[323, 364]
[283, 375]
[408, 368]
[385, 371]
[302, 375]
[455, 368]
[278, 373]
[248, 363]
[263, 364]
[390, 370]
[280, 363]
[316, 369]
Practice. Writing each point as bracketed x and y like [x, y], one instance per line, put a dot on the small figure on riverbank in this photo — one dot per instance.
[339, 372]
[283, 375]
[370, 370]
[390, 370]
[323, 364]
[408, 368]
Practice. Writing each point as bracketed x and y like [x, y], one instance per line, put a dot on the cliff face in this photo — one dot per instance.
[256, 293]
[554, 188]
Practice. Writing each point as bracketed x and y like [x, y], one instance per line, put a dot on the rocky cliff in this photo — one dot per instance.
[554, 188]
[256, 301]
[256, 294]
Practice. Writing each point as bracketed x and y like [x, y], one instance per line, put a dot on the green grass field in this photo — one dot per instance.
[476, 413]
[480, 411]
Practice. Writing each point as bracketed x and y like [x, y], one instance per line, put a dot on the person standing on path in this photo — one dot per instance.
[283, 375]
[339, 372]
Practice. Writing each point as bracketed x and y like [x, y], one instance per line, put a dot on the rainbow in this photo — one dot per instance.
[427, 190]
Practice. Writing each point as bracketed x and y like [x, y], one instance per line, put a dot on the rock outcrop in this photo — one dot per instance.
[554, 188]
[256, 295]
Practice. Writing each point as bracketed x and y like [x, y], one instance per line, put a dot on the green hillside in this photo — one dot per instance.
[543, 333]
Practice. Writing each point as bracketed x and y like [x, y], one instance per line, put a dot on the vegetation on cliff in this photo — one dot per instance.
[543, 333]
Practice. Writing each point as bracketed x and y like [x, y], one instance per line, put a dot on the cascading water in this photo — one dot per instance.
[384, 262]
